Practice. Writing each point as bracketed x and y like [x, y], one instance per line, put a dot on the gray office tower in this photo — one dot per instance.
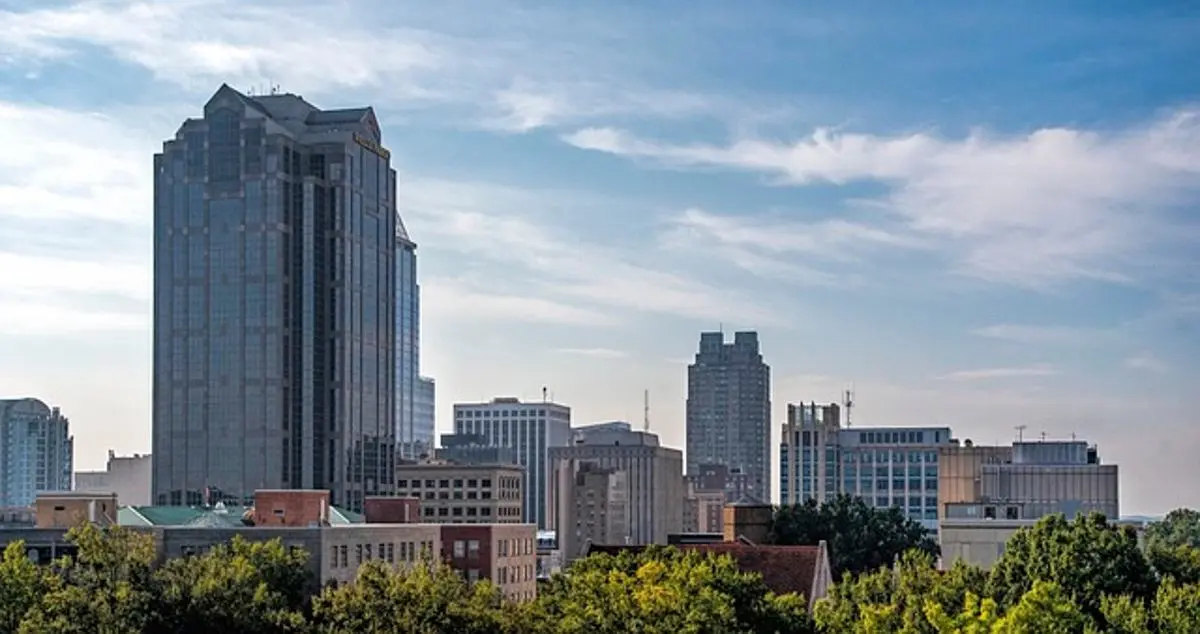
[275, 231]
[729, 411]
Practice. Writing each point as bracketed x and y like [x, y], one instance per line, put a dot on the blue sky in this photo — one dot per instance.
[978, 214]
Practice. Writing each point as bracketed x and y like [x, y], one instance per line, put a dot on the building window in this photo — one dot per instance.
[358, 553]
[343, 555]
[460, 548]
[473, 548]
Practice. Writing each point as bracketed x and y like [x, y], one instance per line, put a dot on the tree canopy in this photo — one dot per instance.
[1086, 576]
[860, 537]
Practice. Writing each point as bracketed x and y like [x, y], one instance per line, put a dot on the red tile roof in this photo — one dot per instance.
[784, 569]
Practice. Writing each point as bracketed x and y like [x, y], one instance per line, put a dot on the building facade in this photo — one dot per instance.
[127, 476]
[408, 347]
[37, 451]
[529, 430]
[652, 475]
[425, 414]
[885, 466]
[464, 493]
[729, 409]
[275, 229]
[592, 506]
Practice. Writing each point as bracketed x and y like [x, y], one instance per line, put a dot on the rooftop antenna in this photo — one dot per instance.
[848, 403]
[544, 392]
[1043, 436]
[1021, 432]
[646, 410]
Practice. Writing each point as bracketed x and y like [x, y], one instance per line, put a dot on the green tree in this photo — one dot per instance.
[1180, 527]
[104, 589]
[1180, 562]
[665, 590]
[860, 537]
[1086, 559]
[1177, 608]
[1046, 609]
[429, 599]
[237, 587]
[22, 585]
[898, 599]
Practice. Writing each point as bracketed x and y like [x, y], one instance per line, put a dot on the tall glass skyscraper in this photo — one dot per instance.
[729, 411]
[36, 451]
[275, 228]
[408, 346]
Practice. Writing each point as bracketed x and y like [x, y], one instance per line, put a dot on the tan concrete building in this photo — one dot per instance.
[127, 476]
[70, 508]
[978, 533]
[959, 472]
[652, 475]
[593, 507]
[455, 493]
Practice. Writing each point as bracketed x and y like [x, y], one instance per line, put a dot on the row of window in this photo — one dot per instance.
[408, 553]
[503, 512]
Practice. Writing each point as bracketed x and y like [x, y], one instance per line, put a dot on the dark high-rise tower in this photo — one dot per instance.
[729, 410]
[275, 231]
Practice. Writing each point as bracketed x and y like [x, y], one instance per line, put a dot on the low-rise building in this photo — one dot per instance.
[457, 493]
[127, 476]
[337, 544]
[593, 506]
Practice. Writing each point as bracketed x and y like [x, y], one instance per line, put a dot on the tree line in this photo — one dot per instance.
[1086, 576]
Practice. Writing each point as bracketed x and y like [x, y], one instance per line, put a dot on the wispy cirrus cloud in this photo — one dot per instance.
[1147, 362]
[1044, 335]
[1012, 372]
[1038, 209]
[594, 353]
[545, 68]
[495, 224]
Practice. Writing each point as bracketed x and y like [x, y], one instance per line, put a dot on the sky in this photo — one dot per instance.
[978, 215]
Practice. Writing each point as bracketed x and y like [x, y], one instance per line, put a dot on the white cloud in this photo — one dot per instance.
[452, 300]
[26, 318]
[1049, 206]
[595, 353]
[983, 374]
[1148, 363]
[1042, 335]
[496, 224]
[528, 105]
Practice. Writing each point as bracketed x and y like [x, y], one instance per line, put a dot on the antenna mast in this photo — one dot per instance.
[1021, 432]
[848, 403]
[646, 410]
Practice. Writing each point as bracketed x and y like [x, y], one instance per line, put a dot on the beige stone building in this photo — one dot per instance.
[593, 506]
[960, 472]
[127, 476]
[654, 486]
[454, 493]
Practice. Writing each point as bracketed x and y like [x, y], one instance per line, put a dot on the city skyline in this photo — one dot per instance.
[973, 230]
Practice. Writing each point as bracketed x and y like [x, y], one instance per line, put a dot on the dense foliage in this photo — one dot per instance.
[860, 537]
[1080, 577]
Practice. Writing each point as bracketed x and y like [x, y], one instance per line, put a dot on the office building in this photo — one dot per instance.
[275, 230]
[408, 345]
[1037, 478]
[593, 506]
[463, 493]
[473, 449]
[126, 476]
[885, 466]
[718, 477]
[652, 473]
[424, 414]
[529, 430]
[729, 410]
[36, 451]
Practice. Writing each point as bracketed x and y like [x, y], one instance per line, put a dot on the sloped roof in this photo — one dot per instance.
[200, 517]
[784, 569]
